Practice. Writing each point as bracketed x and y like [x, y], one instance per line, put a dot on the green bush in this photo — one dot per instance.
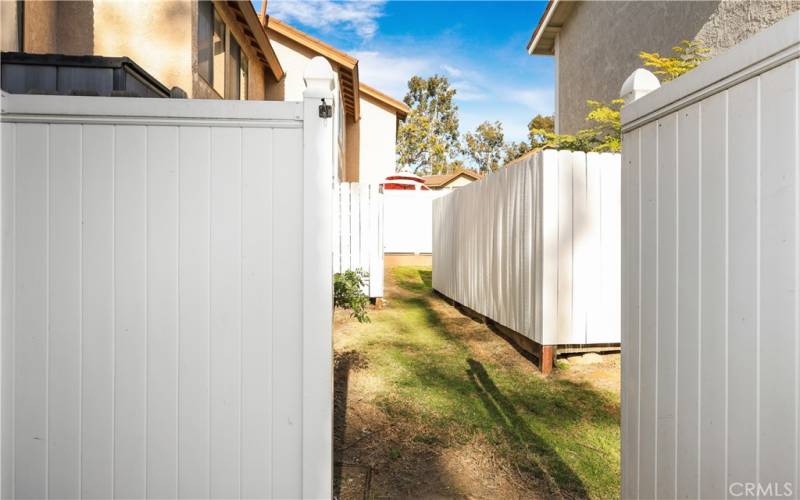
[348, 293]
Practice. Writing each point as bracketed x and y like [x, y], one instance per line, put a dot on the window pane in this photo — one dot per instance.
[244, 77]
[205, 28]
[218, 65]
[235, 68]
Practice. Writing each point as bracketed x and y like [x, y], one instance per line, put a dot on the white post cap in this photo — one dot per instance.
[319, 78]
[639, 84]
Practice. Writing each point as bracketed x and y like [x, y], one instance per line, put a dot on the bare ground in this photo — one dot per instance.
[381, 455]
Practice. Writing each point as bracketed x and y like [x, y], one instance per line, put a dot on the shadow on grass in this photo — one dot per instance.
[504, 414]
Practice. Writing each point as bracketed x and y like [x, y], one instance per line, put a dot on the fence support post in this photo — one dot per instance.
[639, 84]
[318, 139]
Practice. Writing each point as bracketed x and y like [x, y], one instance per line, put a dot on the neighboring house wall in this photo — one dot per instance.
[294, 58]
[461, 180]
[161, 37]
[378, 129]
[599, 45]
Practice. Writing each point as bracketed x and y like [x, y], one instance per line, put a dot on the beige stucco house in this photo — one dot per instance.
[596, 44]
[371, 116]
[209, 49]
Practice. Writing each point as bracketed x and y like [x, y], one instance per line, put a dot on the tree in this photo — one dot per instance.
[603, 134]
[485, 146]
[427, 142]
[513, 150]
[687, 55]
[538, 128]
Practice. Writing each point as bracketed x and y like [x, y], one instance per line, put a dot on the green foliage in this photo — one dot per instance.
[538, 128]
[427, 142]
[348, 293]
[687, 56]
[604, 134]
[485, 146]
[513, 150]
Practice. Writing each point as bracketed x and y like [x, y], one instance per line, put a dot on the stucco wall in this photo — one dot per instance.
[157, 35]
[377, 142]
[599, 45]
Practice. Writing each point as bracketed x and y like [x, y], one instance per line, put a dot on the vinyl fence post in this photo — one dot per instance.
[318, 179]
[640, 83]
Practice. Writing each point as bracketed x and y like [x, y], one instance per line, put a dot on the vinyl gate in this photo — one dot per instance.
[358, 232]
[407, 221]
[166, 297]
[711, 273]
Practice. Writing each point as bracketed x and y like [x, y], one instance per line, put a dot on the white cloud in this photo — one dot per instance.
[450, 70]
[539, 100]
[360, 17]
[390, 73]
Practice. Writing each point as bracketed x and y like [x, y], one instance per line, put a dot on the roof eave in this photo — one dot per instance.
[257, 36]
[542, 41]
[399, 107]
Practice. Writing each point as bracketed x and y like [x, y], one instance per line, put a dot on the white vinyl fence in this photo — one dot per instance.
[166, 297]
[535, 247]
[711, 275]
[407, 221]
[358, 232]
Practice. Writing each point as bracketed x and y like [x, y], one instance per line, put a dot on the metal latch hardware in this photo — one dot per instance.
[325, 110]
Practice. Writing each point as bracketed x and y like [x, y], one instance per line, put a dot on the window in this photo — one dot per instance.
[220, 59]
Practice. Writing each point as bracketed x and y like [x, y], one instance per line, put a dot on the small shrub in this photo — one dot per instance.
[348, 293]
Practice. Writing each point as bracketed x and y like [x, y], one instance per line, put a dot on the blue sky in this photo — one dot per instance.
[479, 46]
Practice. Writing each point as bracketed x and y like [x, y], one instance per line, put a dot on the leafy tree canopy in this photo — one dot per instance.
[427, 142]
[485, 146]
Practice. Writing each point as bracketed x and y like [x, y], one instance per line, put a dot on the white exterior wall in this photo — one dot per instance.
[377, 144]
[711, 204]
[358, 232]
[535, 247]
[166, 298]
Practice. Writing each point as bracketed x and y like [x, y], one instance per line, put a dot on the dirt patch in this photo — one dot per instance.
[382, 451]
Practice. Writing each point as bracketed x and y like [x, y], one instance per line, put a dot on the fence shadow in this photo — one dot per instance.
[517, 430]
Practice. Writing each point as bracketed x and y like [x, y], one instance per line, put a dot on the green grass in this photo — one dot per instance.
[562, 433]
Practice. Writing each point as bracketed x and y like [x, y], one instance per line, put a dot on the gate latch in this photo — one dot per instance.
[325, 110]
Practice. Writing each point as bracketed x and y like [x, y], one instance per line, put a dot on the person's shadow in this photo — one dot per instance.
[546, 463]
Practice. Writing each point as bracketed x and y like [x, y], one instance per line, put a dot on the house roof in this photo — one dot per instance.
[443, 180]
[543, 39]
[248, 20]
[399, 107]
[345, 64]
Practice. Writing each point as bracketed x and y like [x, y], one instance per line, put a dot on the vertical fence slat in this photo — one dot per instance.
[688, 382]
[713, 344]
[742, 285]
[65, 311]
[162, 312]
[194, 312]
[649, 294]
[31, 311]
[778, 317]
[97, 355]
[130, 310]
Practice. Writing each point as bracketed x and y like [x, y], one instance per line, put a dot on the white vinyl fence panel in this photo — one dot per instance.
[358, 232]
[165, 298]
[535, 247]
[711, 277]
[407, 221]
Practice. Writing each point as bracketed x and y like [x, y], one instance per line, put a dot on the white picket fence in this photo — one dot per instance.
[711, 277]
[358, 232]
[535, 247]
[166, 297]
[407, 221]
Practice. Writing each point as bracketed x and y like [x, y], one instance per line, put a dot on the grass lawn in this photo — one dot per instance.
[432, 403]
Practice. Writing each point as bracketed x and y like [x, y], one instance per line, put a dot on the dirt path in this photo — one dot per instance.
[408, 425]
